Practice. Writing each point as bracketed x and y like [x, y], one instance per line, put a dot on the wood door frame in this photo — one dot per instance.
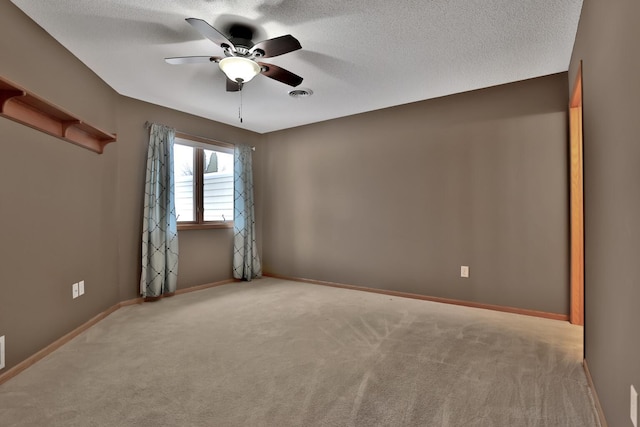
[576, 190]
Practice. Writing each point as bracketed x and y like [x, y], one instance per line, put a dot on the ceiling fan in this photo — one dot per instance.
[240, 61]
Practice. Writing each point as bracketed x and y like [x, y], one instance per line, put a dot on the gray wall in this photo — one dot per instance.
[69, 214]
[400, 198]
[607, 43]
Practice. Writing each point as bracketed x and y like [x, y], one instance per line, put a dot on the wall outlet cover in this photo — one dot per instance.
[75, 291]
[81, 288]
[2, 352]
[634, 406]
[464, 271]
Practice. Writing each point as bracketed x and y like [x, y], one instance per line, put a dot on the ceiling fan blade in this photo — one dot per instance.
[209, 32]
[191, 59]
[232, 86]
[280, 74]
[277, 46]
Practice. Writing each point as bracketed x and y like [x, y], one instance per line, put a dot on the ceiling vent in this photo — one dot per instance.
[300, 93]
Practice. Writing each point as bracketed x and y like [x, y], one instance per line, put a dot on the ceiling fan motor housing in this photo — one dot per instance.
[240, 47]
[240, 62]
[240, 38]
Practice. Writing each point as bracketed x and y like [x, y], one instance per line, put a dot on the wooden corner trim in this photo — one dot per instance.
[505, 309]
[576, 93]
[594, 395]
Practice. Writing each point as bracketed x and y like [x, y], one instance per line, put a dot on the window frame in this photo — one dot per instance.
[200, 144]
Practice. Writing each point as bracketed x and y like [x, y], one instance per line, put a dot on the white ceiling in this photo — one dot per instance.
[357, 55]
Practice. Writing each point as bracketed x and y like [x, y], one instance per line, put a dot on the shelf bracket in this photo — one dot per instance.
[67, 124]
[6, 95]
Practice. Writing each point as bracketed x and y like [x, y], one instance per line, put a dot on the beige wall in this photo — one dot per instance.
[400, 198]
[607, 43]
[70, 214]
[57, 200]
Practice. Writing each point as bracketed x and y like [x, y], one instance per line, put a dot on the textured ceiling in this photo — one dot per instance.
[357, 55]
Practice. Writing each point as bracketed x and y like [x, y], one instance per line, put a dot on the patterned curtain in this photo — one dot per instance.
[246, 263]
[159, 228]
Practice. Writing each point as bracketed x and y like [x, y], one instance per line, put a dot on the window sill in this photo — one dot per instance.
[206, 226]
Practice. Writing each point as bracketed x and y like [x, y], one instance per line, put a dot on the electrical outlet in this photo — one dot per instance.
[2, 352]
[81, 288]
[75, 291]
[464, 271]
[634, 406]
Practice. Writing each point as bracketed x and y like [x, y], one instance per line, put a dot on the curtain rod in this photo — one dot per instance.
[148, 124]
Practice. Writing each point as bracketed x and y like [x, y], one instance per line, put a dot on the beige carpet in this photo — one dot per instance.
[278, 353]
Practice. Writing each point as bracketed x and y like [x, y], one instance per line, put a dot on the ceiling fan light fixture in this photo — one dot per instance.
[239, 69]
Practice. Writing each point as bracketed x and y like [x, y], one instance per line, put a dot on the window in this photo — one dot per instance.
[203, 179]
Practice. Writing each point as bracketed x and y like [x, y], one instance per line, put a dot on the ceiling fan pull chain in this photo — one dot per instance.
[240, 108]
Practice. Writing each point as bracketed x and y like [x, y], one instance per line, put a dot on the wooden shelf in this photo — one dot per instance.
[20, 105]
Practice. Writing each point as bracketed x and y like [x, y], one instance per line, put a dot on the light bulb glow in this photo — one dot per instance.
[239, 69]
